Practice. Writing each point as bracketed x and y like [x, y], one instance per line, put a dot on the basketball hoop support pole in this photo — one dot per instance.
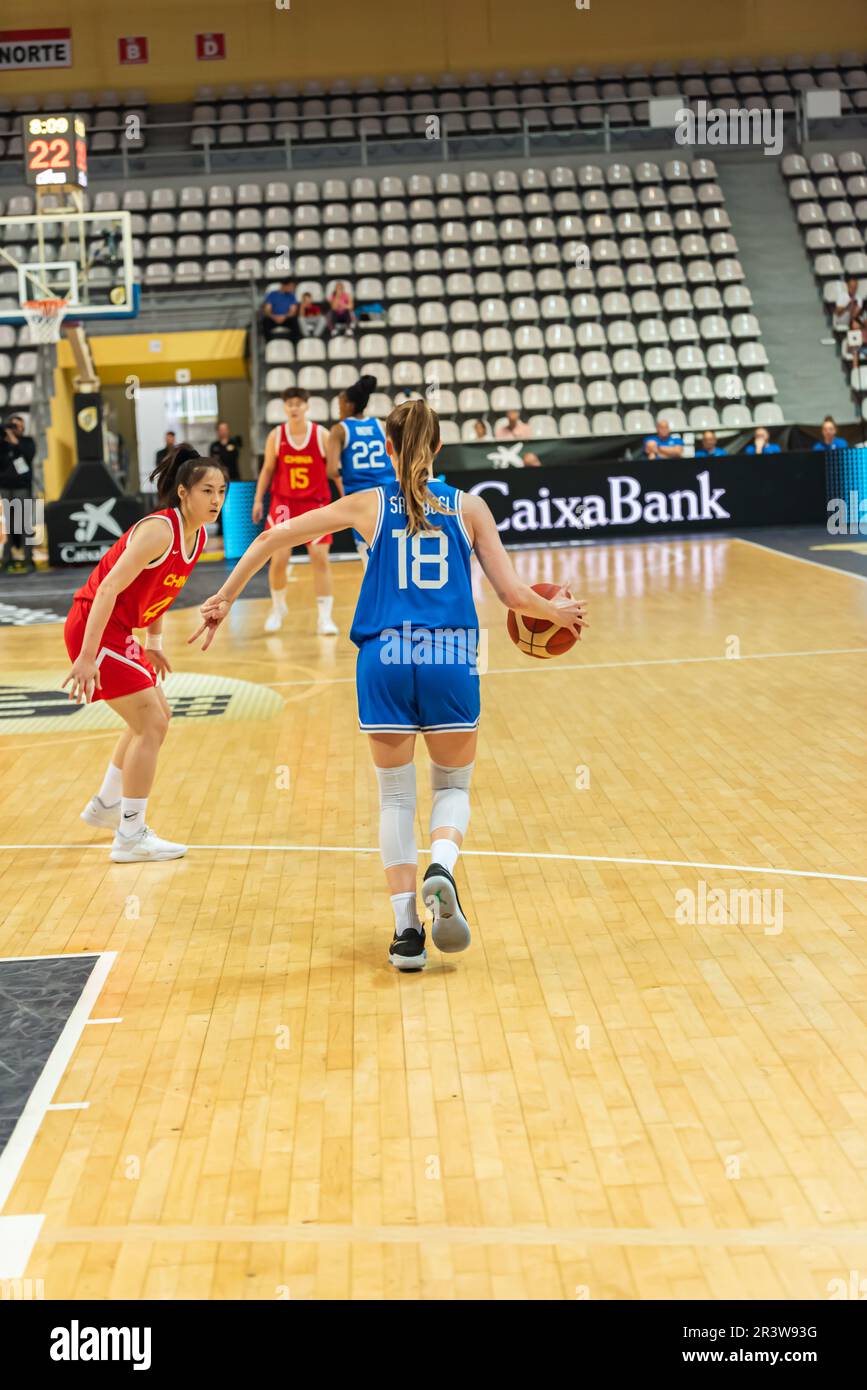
[85, 378]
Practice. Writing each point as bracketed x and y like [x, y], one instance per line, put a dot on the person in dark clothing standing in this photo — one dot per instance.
[171, 441]
[17, 452]
[227, 448]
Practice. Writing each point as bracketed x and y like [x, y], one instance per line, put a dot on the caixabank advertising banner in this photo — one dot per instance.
[565, 502]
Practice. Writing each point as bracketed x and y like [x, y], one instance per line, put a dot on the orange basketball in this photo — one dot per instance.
[537, 637]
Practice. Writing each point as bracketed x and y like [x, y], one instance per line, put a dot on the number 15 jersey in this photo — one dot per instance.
[421, 580]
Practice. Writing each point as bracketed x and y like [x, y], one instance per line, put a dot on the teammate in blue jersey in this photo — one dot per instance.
[356, 455]
[417, 670]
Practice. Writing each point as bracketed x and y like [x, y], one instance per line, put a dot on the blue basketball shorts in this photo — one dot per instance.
[411, 696]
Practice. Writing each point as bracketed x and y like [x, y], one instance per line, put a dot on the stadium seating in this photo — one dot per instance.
[828, 193]
[582, 291]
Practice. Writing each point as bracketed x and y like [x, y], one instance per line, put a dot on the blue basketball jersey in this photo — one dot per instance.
[363, 460]
[416, 582]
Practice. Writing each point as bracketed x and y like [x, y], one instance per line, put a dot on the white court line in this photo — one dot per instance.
[500, 854]
[89, 1022]
[70, 1105]
[610, 665]
[18, 1235]
[802, 559]
[312, 1233]
[40, 1099]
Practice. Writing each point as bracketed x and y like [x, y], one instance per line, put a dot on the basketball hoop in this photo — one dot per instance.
[44, 318]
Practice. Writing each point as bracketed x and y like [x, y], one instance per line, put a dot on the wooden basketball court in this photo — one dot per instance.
[602, 1098]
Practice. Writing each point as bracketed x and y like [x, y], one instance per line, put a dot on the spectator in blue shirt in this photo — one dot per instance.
[709, 446]
[280, 312]
[830, 438]
[663, 444]
[761, 443]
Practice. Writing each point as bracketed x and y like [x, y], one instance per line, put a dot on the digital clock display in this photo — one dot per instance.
[55, 150]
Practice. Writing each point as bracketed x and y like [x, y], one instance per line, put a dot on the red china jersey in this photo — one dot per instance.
[158, 585]
[300, 474]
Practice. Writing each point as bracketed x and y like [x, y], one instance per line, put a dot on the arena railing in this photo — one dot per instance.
[158, 156]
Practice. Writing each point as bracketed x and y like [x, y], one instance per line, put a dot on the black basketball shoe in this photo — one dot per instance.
[407, 951]
[450, 930]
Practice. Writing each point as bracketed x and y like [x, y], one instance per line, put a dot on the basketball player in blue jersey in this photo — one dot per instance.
[355, 454]
[417, 672]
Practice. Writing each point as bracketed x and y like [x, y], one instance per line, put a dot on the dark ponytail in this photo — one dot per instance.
[359, 394]
[182, 466]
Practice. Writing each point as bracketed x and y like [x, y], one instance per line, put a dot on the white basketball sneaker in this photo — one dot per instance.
[103, 817]
[327, 627]
[143, 847]
[274, 621]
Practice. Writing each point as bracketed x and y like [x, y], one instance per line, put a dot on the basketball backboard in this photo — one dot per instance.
[83, 257]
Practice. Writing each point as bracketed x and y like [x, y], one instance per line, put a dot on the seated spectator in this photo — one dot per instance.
[849, 306]
[830, 438]
[761, 443]
[513, 427]
[858, 324]
[311, 320]
[663, 444]
[709, 446]
[481, 430]
[280, 311]
[341, 316]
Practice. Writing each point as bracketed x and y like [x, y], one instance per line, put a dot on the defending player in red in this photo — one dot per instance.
[131, 587]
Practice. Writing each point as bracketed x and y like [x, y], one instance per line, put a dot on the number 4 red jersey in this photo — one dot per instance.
[158, 585]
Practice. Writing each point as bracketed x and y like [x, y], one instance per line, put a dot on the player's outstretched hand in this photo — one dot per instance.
[213, 611]
[571, 611]
[82, 680]
[208, 626]
[160, 663]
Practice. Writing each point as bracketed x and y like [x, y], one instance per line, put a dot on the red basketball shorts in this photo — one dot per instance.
[283, 509]
[123, 665]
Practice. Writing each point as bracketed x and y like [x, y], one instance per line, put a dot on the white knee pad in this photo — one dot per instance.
[397, 815]
[362, 548]
[451, 797]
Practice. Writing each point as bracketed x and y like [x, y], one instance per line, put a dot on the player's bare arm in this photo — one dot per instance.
[493, 557]
[264, 480]
[358, 510]
[333, 450]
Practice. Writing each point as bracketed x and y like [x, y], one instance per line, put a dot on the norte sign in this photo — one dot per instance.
[35, 48]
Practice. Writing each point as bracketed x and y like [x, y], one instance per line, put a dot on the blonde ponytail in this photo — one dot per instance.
[414, 431]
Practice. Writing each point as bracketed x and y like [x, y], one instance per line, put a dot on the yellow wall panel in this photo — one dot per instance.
[328, 38]
[208, 356]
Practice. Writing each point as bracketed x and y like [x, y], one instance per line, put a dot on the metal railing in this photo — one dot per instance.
[149, 154]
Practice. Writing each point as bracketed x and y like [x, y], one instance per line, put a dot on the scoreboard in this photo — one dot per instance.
[55, 150]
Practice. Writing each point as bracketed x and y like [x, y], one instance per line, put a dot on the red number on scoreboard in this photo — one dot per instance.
[53, 154]
[38, 154]
[59, 154]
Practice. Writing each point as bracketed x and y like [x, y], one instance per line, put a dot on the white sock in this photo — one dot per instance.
[325, 604]
[444, 852]
[132, 814]
[278, 600]
[405, 912]
[111, 790]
